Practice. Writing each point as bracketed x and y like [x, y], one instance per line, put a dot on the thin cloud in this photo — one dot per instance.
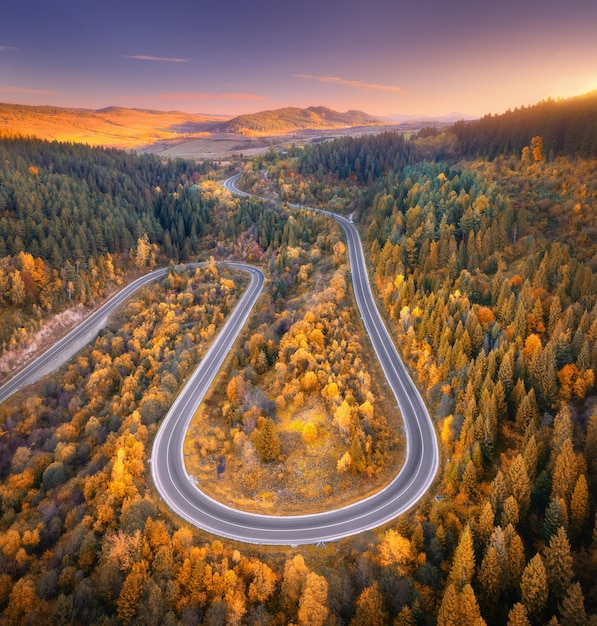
[8, 48]
[355, 84]
[25, 90]
[147, 57]
[210, 96]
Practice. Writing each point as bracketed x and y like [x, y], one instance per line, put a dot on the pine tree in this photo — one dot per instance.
[554, 518]
[510, 514]
[558, 563]
[572, 609]
[469, 481]
[565, 473]
[518, 616]
[533, 586]
[405, 617]
[530, 456]
[370, 608]
[516, 561]
[266, 441]
[449, 610]
[579, 506]
[527, 412]
[468, 608]
[562, 430]
[132, 589]
[517, 395]
[506, 373]
[520, 486]
[463, 565]
[491, 578]
[555, 314]
[591, 440]
[498, 492]
[544, 376]
[359, 461]
[486, 521]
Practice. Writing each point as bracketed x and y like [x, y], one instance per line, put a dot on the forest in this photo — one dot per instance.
[483, 263]
[568, 127]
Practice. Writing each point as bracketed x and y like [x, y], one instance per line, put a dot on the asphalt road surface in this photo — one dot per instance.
[184, 497]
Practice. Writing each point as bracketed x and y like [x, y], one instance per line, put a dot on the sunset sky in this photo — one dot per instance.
[380, 56]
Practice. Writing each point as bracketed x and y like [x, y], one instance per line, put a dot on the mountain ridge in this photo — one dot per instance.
[122, 127]
[288, 119]
[116, 127]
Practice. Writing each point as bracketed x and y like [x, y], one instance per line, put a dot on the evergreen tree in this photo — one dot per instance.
[370, 608]
[565, 473]
[131, 592]
[518, 616]
[516, 561]
[510, 514]
[449, 610]
[468, 608]
[266, 441]
[491, 577]
[533, 586]
[544, 376]
[579, 506]
[531, 456]
[558, 563]
[572, 609]
[554, 519]
[404, 617]
[520, 486]
[463, 565]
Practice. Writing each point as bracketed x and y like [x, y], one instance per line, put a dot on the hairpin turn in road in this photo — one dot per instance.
[411, 483]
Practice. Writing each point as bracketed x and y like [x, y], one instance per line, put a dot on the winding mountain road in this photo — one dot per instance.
[178, 490]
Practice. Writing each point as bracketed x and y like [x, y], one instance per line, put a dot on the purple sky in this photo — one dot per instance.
[381, 56]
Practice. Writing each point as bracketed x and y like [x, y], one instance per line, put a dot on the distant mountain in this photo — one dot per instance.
[567, 126]
[290, 119]
[112, 126]
[440, 119]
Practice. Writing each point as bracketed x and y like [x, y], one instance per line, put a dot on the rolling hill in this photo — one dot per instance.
[135, 128]
[291, 119]
[112, 127]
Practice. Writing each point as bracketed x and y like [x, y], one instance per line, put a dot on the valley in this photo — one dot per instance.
[479, 257]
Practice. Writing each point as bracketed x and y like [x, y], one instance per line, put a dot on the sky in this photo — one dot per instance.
[384, 57]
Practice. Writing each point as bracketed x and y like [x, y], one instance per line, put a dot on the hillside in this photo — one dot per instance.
[202, 136]
[290, 119]
[567, 126]
[111, 127]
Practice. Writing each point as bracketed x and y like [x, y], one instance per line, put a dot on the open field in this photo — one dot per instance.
[226, 145]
